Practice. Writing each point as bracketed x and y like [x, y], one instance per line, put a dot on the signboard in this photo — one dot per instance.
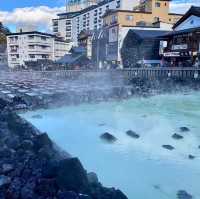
[172, 54]
[180, 47]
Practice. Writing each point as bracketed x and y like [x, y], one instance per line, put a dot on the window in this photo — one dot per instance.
[157, 4]
[31, 46]
[113, 30]
[192, 22]
[156, 19]
[55, 23]
[68, 22]
[43, 38]
[31, 37]
[32, 56]
[118, 4]
[55, 30]
[129, 17]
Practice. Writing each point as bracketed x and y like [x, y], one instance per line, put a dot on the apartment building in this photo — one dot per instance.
[77, 5]
[149, 15]
[89, 18]
[62, 26]
[33, 46]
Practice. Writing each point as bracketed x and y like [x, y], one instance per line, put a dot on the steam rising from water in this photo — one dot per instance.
[141, 168]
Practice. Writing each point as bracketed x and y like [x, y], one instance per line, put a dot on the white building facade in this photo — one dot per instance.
[33, 46]
[89, 18]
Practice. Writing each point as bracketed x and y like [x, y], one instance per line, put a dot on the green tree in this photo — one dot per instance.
[3, 32]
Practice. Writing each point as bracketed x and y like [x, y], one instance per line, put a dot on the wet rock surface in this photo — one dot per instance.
[132, 134]
[184, 129]
[182, 194]
[177, 136]
[168, 147]
[108, 137]
[31, 167]
[191, 157]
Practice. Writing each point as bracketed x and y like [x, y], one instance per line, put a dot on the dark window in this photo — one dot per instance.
[157, 4]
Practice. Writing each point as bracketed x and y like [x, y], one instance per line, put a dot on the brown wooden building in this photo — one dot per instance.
[182, 46]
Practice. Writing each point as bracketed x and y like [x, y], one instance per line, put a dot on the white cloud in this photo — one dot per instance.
[42, 16]
[183, 5]
[37, 16]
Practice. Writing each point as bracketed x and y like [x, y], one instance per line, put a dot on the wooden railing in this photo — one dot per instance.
[127, 74]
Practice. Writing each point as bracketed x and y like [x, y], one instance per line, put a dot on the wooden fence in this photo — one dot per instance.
[127, 74]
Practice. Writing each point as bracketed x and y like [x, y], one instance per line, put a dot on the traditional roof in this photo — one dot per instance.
[148, 34]
[78, 50]
[71, 59]
[194, 10]
[185, 31]
[31, 32]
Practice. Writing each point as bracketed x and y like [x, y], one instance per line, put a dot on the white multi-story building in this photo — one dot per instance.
[33, 46]
[70, 24]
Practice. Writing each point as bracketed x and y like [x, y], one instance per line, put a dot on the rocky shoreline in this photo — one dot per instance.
[137, 87]
[33, 167]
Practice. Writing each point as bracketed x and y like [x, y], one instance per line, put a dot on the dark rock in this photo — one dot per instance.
[26, 145]
[83, 196]
[102, 124]
[191, 157]
[108, 137]
[12, 142]
[177, 136]
[7, 168]
[3, 103]
[92, 177]
[169, 147]
[27, 191]
[4, 180]
[117, 194]
[42, 140]
[184, 129]
[46, 187]
[5, 152]
[71, 175]
[32, 167]
[37, 116]
[132, 134]
[183, 195]
[67, 195]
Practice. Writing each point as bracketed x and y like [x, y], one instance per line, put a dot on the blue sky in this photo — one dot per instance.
[9, 5]
[41, 12]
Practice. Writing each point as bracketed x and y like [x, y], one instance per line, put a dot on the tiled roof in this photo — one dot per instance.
[194, 10]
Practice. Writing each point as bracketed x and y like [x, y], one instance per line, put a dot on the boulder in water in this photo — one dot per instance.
[37, 116]
[177, 136]
[184, 129]
[108, 137]
[102, 124]
[182, 194]
[132, 134]
[169, 147]
[191, 157]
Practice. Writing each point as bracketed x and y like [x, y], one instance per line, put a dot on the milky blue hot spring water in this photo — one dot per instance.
[141, 168]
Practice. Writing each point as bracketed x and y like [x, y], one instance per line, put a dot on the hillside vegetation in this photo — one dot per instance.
[3, 32]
